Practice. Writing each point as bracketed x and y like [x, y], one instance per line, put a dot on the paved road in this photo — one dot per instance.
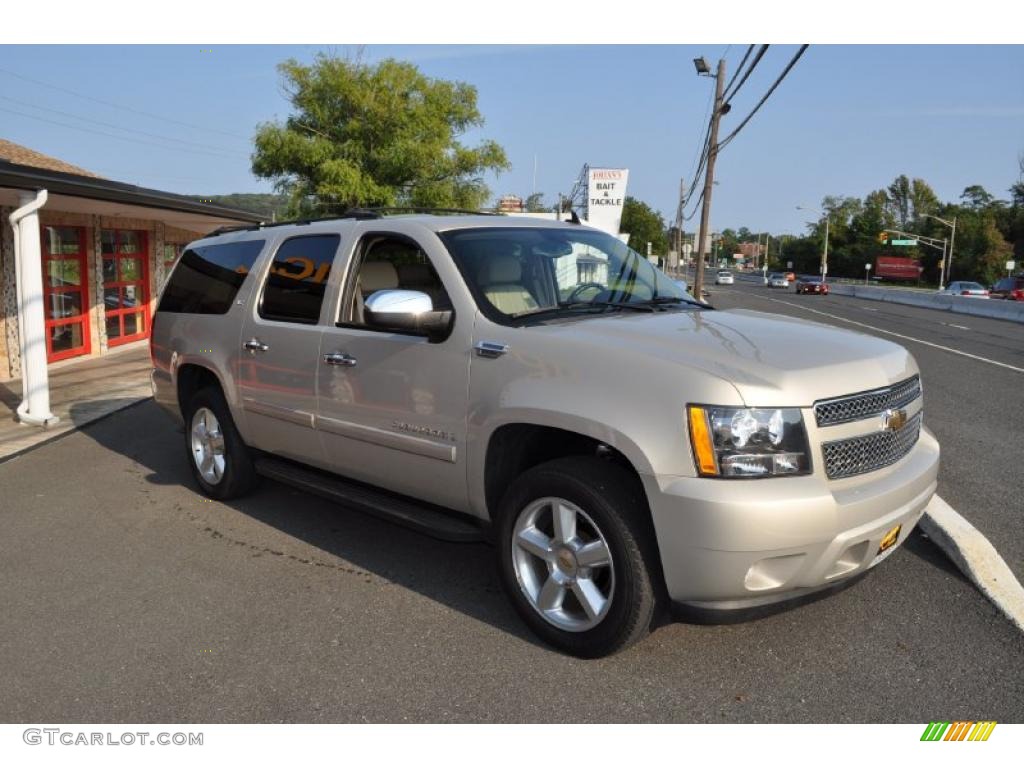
[128, 597]
[972, 406]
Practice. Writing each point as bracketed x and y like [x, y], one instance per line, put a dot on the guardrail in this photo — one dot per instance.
[998, 309]
[962, 305]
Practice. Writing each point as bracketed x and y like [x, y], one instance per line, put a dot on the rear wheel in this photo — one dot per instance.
[221, 462]
[577, 555]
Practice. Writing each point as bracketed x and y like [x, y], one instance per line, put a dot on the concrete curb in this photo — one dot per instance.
[976, 558]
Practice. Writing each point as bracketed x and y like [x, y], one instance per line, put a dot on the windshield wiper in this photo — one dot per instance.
[585, 305]
[660, 300]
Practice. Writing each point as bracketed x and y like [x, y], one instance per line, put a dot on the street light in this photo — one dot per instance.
[944, 271]
[824, 255]
[701, 64]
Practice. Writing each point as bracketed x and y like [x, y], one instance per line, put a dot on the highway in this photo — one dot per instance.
[973, 374]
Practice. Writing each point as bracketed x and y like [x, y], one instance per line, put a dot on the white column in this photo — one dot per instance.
[35, 406]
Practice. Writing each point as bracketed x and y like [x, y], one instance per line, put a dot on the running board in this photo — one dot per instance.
[424, 518]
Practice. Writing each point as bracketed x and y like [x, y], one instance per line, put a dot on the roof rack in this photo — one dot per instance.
[351, 213]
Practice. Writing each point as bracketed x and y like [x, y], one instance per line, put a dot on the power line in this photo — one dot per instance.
[150, 115]
[750, 49]
[122, 128]
[764, 98]
[110, 135]
[753, 64]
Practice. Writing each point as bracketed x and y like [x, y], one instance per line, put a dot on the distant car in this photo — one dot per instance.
[724, 277]
[1009, 288]
[966, 288]
[777, 280]
[811, 284]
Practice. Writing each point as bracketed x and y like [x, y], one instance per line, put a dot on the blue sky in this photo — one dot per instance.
[847, 119]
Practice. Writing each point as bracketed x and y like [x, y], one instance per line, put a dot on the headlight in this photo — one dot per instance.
[748, 442]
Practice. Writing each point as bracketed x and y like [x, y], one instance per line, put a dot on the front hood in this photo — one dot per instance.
[772, 360]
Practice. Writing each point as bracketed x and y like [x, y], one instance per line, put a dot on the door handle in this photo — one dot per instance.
[339, 358]
[255, 345]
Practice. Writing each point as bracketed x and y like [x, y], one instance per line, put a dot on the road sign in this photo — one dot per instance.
[867, 266]
[903, 242]
[1011, 265]
[789, 265]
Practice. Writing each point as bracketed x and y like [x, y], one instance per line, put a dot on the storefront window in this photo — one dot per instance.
[65, 290]
[125, 285]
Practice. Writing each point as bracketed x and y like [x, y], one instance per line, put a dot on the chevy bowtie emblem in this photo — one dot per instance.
[893, 419]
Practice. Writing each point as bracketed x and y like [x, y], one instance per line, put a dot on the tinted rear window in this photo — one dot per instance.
[207, 278]
[295, 284]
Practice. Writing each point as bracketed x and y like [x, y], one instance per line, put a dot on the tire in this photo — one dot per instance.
[234, 475]
[615, 515]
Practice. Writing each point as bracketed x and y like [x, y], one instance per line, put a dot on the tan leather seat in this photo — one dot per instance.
[377, 276]
[503, 287]
[373, 276]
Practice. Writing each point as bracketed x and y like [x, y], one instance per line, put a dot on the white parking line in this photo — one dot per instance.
[954, 325]
[898, 335]
[976, 558]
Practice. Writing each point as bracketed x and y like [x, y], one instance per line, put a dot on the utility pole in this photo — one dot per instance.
[678, 239]
[824, 254]
[709, 179]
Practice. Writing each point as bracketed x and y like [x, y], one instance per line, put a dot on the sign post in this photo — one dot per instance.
[867, 272]
[1010, 266]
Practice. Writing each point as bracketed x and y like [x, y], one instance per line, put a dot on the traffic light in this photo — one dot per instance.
[883, 237]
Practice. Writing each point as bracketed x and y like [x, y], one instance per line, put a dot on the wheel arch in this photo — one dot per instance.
[515, 446]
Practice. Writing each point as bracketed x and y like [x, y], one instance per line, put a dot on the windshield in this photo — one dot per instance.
[522, 272]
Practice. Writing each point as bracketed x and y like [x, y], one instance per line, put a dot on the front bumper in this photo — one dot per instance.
[734, 544]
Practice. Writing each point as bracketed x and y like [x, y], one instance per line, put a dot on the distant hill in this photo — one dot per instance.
[266, 204]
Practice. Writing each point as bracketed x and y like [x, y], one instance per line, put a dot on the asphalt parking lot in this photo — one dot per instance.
[128, 597]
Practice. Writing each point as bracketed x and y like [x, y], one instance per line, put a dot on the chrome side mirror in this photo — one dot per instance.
[410, 312]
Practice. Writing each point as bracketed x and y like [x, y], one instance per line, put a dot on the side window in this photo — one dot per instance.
[207, 278]
[390, 263]
[294, 289]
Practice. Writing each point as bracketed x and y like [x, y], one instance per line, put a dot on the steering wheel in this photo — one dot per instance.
[574, 296]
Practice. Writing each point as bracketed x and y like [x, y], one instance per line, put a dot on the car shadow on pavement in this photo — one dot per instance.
[460, 576]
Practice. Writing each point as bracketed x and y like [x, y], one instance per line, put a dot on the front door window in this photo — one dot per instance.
[65, 288]
[125, 285]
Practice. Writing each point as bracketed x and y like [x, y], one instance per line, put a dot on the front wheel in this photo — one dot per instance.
[577, 555]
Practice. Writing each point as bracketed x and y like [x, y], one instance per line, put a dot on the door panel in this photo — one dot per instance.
[392, 411]
[281, 346]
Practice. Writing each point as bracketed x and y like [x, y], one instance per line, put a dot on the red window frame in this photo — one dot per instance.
[142, 297]
[82, 288]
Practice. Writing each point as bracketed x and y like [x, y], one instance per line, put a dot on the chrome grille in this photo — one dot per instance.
[866, 453]
[864, 405]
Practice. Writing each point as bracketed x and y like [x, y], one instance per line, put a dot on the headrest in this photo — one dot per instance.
[377, 276]
[502, 269]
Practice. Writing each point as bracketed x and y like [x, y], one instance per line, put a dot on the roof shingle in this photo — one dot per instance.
[15, 153]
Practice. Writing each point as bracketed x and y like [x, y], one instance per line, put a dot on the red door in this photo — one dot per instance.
[66, 292]
[125, 284]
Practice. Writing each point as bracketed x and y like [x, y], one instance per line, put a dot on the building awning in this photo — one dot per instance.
[93, 195]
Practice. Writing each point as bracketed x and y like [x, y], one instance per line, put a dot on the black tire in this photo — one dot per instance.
[614, 500]
[239, 476]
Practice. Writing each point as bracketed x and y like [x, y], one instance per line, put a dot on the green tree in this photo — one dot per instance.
[374, 134]
[644, 225]
[535, 203]
[976, 197]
